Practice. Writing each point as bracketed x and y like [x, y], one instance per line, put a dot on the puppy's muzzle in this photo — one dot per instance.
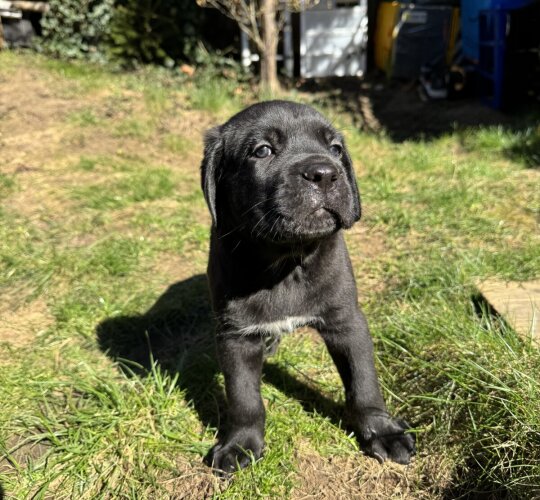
[323, 176]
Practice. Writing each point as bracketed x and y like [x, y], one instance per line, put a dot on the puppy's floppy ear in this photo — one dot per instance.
[351, 177]
[213, 153]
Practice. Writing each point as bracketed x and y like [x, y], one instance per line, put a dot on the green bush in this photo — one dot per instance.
[154, 31]
[127, 31]
[77, 29]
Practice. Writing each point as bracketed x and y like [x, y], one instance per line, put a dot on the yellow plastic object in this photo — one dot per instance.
[454, 30]
[387, 15]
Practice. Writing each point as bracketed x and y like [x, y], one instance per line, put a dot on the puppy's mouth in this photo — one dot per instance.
[317, 224]
[336, 216]
[321, 222]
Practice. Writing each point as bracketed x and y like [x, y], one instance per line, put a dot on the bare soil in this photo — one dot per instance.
[20, 323]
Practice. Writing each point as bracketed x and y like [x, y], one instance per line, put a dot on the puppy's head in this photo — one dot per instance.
[278, 171]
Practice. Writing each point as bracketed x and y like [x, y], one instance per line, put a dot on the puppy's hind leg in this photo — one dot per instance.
[241, 359]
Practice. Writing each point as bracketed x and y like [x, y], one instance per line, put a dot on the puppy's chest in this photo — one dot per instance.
[278, 327]
[273, 312]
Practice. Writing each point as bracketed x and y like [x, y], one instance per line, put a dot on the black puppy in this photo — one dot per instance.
[280, 186]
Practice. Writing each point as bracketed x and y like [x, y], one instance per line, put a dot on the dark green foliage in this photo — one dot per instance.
[127, 31]
[159, 31]
[77, 29]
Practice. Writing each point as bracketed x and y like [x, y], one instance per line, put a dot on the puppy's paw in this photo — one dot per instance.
[235, 452]
[385, 438]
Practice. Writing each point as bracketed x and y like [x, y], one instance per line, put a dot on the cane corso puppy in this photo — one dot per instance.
[280, 187]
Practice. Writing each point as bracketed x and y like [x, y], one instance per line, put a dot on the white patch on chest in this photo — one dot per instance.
[274, 328]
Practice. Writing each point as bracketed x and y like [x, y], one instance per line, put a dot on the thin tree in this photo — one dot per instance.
[261, 21]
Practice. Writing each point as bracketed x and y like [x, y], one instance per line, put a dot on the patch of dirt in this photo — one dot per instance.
[358, 477]
[190, 123]
[19, 325]
[353, 477]
[41, 195]
[21, 452]
[40, 145]
[28, 126]
[194, 481]
[30, 147]
[171, 268]
[366, 245]
[367, 242]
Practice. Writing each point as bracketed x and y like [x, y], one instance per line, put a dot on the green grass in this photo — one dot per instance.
[84, 118]
[108, 383]
[178, 144]
[214, 94]
[521, 146]
[135, 187]
[134, 128]
[7, 184]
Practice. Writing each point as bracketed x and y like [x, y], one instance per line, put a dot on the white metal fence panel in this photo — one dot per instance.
[333, 42]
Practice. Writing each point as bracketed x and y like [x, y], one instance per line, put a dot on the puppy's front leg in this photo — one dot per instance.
[349, 343]
[241, 360]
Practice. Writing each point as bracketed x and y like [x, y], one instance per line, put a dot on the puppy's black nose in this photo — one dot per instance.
[322, 174]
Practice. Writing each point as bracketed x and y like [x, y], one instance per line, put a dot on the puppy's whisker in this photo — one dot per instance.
[271, 198]
[261, 219]
[236, 246]
[231, 231]
[261, 232]
[270, 232]
[242, 225]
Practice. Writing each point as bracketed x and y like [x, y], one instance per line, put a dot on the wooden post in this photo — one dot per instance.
[1, 34]
[269, 77]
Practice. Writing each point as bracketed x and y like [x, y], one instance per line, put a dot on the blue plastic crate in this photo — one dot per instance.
[493, 26]
[470, 17]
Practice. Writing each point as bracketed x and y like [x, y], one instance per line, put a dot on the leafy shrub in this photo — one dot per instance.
[128, 31]
[77, 29]
[159, 31]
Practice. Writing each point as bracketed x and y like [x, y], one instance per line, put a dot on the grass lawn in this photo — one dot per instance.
[108, 384]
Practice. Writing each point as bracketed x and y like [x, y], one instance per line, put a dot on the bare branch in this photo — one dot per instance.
[245, 13]
[261, 27]
[248, 14]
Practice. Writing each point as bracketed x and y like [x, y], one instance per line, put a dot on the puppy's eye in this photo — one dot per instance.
[263, 152]
[336, 150]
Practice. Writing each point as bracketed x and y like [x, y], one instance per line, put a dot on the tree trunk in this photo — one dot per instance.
[269, 79]
[1, 35]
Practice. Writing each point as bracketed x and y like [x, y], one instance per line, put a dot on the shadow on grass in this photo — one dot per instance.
[466, 491]
[395, 109]
[526, 150]
[482, 308]
[178, 333]
[311, 399]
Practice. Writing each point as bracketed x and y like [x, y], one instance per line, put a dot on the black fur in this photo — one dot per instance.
[277, 252]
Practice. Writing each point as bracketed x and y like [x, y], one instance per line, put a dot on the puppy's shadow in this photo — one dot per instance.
[311, 399]
[177, 333]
